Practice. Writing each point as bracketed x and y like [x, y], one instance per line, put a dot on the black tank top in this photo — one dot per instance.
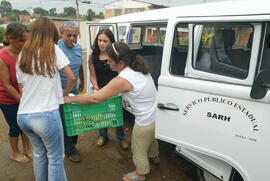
[104, 74]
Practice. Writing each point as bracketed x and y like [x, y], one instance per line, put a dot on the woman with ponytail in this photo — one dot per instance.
[15, 36]
[138, 88]
[38, 74]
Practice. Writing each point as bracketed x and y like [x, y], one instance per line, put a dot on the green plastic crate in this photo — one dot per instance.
[81, 118]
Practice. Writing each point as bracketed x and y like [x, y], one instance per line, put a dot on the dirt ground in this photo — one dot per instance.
[106, 163]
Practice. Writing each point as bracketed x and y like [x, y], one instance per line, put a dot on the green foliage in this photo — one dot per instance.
[41, 11]
[90, 15]
[5, 7]
[52, 12]
[100, 15]
[2, 32]
[19, 12]
[12, 16]
[69, 12]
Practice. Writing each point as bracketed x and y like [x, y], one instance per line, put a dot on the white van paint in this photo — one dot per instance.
[217, 114]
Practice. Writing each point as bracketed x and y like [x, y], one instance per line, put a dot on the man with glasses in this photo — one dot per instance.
[70, 31]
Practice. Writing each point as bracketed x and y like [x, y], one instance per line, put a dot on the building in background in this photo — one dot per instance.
[120, 7]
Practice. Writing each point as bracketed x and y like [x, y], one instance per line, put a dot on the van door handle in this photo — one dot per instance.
[162, 106]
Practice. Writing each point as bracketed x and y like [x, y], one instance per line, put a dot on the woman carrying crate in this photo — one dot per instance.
[138, 88]
[38, 73]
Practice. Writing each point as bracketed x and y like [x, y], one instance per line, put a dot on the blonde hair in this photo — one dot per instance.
[40, 47]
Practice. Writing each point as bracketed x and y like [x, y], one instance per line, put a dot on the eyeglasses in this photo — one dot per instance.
[74, 35]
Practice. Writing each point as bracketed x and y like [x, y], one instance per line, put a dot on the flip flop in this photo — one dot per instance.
[20, 159]
[129, 177]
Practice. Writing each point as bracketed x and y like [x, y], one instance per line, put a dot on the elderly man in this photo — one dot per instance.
[70, 31]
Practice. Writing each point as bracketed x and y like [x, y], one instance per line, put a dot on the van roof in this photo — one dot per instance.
[223, 8]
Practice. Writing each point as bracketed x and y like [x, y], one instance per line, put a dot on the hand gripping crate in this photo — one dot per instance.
[81, 118]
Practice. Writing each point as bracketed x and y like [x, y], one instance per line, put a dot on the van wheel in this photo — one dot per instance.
[206, 176]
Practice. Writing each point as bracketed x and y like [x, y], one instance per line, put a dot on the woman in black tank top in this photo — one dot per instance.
[101, 74]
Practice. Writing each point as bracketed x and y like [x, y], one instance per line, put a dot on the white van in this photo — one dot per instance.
[213, 100]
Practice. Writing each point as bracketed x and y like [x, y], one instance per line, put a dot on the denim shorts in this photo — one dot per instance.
[10, 114]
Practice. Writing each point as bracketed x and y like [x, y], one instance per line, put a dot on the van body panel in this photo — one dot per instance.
[214, 125]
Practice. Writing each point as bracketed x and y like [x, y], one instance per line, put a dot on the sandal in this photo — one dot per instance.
[20, 159]
[29, 155]
[129, 177]
[155, 160]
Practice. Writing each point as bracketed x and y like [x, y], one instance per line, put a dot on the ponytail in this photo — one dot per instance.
[138, 64]
[121, 52]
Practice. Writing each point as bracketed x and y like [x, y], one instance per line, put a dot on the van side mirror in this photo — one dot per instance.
[261, 85]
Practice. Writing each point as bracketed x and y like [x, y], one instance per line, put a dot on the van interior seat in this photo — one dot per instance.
[178, 59]
[153, 56]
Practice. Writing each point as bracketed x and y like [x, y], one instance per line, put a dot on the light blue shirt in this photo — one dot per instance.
[74, 55]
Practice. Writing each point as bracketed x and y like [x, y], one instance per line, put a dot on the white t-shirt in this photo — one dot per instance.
[142, 99]
[42, 93]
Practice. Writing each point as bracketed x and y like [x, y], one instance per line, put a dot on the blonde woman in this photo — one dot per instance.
[38, 116]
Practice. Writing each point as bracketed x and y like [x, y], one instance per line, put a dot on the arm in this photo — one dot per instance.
[6, 82]
[70, 79]
[81, 77]
[114, 87]
[92, 70]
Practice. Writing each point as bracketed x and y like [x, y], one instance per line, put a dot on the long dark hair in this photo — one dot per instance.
[121, 52]
[13, 31]
[40, 47]
[95, 48]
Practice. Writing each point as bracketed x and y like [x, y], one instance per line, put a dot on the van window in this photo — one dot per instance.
[122, 33]
[224, 49]
[162, 34]
[93, 31]
[135, 35]
[179, 50]
[150, 35]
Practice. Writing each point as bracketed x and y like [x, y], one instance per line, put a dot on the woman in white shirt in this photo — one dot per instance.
[38, 75]
[138, 88]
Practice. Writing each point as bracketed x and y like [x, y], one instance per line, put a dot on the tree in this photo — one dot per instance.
[41, 11]
[90, 15]
[100, 15]
[5, 7]
[12, 16]
[52, 12]
[69, 12]
[2, 32]
[19, 12]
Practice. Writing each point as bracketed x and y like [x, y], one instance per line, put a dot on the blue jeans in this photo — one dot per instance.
[46, 136]
[103, 133]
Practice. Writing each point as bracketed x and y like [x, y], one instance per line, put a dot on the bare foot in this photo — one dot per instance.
[20, 158]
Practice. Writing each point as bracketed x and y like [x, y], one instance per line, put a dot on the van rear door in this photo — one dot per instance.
[204, 101]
